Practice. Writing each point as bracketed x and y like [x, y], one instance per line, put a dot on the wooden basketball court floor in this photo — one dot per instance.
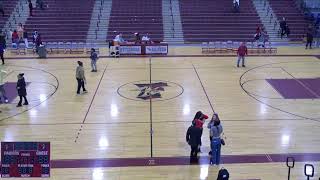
[105, 134]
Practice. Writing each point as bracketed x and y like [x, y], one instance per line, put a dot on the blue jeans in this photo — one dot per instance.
[216, 151]
[94, 65]
[239, 59]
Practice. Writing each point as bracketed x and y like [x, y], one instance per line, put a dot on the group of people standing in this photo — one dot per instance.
[194, 134]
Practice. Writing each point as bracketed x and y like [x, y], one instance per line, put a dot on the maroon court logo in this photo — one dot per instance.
[156, 90]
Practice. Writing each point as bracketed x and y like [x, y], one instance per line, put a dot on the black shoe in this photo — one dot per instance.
[238, 65]
[92, 70]
[243, 66]
[26, 103]
[19, 105]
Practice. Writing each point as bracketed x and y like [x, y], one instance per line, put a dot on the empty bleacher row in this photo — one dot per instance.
[214, 20]
[128, 17]
[8, 7]
[62, 20]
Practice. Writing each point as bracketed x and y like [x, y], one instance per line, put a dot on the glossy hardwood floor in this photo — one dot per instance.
[111, 122]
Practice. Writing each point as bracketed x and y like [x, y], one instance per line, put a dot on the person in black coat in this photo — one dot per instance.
[2, 47]
[309, 36]
[22, 91]
[193, 138]
[30, 7]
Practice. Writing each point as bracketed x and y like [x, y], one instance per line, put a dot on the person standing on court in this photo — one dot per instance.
[216, 142]
[81, 79]
[94, 58]
[193, 138]
[198, 120]
[309, 36]
[22, 91]
[242, 52]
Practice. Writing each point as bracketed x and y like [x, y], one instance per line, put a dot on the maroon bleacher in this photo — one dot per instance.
[214, 20]
[8, 6]
[294, 17]
[143, 16]
[62, 20]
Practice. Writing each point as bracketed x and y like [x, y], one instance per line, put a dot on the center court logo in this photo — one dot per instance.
[156, 90]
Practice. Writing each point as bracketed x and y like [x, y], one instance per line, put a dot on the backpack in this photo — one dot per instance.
[223, 174]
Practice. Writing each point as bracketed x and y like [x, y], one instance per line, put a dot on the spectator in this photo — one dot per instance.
[1, 8]
[20, 31]
[30, 7]
[137, 38]
[283, 25]
[193, 138]
[15, 37]
[146, 38]
[81, 79]
[242, 52]
[309, 36]
[258, 33]
[216, 131]
[223, 174]
[94, 58]
[25, 37]
[22, 91]
[236, 5]
[40, 4]
[263, 38]
[287, 31]
[2, 47]
[38, 40]
[3, 97]
[119, 39]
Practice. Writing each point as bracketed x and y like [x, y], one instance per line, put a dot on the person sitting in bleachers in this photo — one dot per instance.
[20, 31]
[40, 4]
[1, 8]
[137, 38]
[15, 37]
[236, 5]
[118, 39]
[146, 38]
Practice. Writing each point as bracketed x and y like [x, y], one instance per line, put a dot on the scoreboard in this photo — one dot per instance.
[25, 159]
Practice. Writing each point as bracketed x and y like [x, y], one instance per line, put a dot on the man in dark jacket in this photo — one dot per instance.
[309, 36]
[283, 25]
[22, 91]
[30, 7]
[1, 8]
[193, 138]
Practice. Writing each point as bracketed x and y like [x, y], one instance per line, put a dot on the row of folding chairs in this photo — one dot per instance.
[56, 47]
[232, 47]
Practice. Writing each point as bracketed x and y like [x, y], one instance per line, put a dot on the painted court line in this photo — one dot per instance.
[181, 161]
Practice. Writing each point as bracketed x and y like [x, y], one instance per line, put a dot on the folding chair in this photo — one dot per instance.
[204, 47]
[229, 46]
[114, 51]
[22, 48]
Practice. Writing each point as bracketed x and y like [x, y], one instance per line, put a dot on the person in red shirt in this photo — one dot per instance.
[242, 52]
[15, 37]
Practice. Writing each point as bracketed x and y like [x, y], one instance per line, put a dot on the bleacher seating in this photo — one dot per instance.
[294, 17]
[62, 20]
[8, 6]
[214, 20]
[143, 16]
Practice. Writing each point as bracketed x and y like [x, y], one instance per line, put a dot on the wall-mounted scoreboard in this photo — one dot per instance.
[25, 159]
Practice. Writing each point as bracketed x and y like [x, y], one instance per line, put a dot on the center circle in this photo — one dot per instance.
[157, 90]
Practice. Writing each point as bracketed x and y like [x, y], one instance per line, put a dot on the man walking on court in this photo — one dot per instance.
[242, 52]
[81, 79]
[193, 138]
[94, 58]
[22, 91]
